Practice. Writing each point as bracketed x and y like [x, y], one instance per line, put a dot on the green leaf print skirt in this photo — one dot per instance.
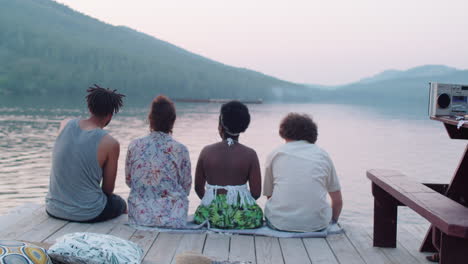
[226, 216]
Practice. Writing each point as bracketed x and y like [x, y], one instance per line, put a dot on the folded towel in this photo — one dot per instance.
[191, 228]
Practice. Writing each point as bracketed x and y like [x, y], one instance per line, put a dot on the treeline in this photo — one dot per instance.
[48, 49]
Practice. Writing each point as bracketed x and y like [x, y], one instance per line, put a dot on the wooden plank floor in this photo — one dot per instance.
[354, 246]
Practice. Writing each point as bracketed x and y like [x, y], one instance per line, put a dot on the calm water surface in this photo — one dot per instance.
[357, 138]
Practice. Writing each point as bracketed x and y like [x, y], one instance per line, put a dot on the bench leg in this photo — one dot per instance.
[385, 218]
[430, 241]
[453, 250]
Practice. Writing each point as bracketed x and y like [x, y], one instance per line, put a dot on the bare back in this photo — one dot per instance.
[220, 164]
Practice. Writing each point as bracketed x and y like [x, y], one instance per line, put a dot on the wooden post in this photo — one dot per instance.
[456, 133]
[428, 245]
[456, 191]
[385, 218]
[453, 250]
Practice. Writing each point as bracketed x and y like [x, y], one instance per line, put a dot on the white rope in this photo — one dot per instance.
[233, 194]
[230, 141]
[460, 123]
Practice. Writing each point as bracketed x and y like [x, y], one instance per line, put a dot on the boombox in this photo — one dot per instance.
[448, 99]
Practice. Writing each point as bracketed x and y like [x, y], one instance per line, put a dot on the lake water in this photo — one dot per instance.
[357, 138]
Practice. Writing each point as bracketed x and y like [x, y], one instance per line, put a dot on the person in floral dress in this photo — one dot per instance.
[158, 172]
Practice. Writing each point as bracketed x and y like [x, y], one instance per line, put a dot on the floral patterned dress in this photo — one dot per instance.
[158, 172]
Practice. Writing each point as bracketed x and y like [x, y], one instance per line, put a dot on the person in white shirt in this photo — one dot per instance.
[298, 177]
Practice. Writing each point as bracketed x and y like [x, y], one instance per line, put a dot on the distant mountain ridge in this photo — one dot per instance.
[420, 71]
[400, 89]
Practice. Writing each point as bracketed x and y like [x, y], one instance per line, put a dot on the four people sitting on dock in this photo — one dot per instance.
[298, 174]
[223, 171]
[158, 172]
[85, 155]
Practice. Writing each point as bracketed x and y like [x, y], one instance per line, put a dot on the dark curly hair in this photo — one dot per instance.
[102, 101]
[234, 117]
[162, 114]
[296, 126]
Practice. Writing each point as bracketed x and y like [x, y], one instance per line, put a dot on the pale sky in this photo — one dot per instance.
[304, 41]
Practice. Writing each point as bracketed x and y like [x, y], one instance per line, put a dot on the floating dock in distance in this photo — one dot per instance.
[187, 100]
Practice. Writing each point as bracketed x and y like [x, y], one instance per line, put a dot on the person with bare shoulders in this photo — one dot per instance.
[298, 177]
[84, 164]
[223, 171]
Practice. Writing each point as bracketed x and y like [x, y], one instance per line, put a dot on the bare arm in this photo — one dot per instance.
[255, 179]
[268, 181]
[200, 177]
[337, 204]
[112, 147]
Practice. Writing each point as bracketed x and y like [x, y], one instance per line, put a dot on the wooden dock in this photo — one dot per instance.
[353, 247]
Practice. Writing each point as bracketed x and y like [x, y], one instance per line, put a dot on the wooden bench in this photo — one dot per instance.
[392, 189]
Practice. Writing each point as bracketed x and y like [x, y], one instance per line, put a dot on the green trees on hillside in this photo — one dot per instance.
[49, 49]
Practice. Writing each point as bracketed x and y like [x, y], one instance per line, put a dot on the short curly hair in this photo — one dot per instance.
[295, 126]
[162, 114]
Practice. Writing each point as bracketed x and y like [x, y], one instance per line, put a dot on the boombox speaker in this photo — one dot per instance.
[448, 99]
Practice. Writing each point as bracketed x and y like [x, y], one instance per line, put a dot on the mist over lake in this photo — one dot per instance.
[356, 137]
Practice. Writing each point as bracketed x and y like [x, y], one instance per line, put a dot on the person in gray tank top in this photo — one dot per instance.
[84, 164]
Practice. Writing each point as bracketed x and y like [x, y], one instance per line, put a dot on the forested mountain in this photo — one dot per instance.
[49, 49]
[407, 89]
[426, 71]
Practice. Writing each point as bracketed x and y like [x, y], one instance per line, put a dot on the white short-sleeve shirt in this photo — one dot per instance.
[298, 177]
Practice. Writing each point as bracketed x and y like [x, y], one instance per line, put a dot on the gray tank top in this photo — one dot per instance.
[75, 179]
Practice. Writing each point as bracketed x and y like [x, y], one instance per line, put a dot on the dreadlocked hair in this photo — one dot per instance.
[103, 101]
